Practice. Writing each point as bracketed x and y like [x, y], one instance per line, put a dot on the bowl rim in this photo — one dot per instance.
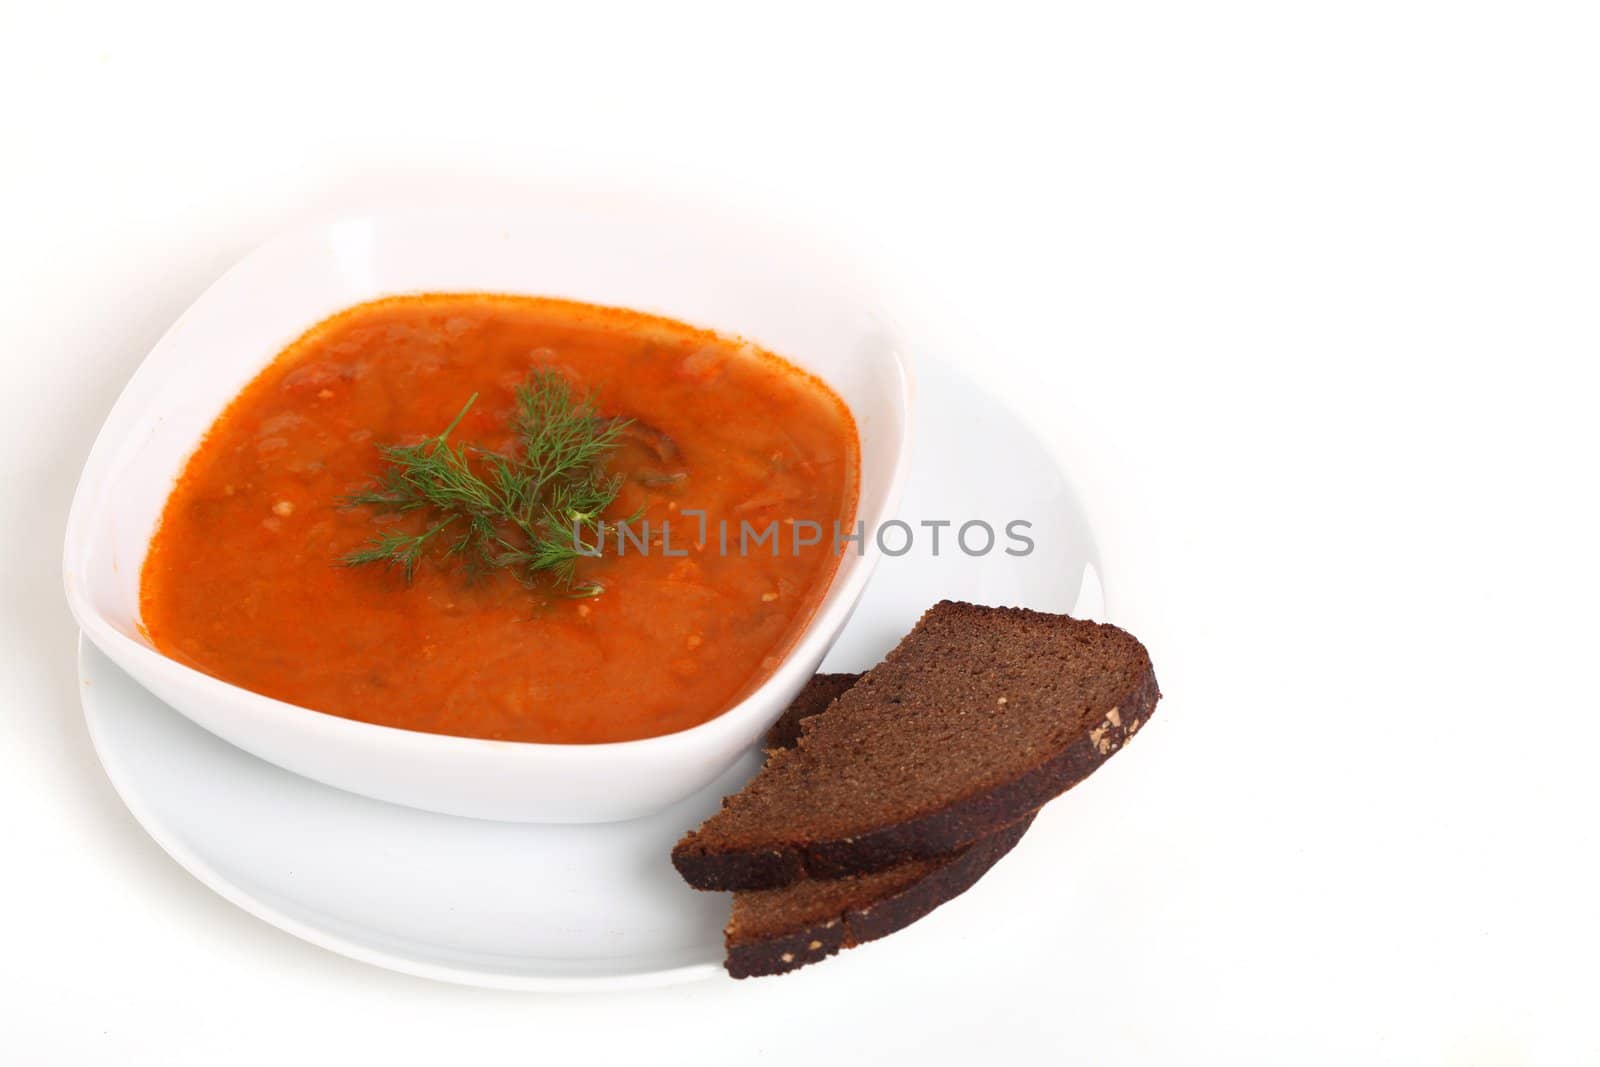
[121, 425]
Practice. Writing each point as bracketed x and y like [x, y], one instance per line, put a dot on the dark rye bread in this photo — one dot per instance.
[772, 931]
[776, 930]
[818, 693]
[975, 720]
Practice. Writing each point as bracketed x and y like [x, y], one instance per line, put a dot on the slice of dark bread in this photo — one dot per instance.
[975, 720]
[771, 931]
[776, 930]
[818, 693]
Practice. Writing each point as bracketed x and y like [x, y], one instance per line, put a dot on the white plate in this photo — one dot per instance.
[519, 906]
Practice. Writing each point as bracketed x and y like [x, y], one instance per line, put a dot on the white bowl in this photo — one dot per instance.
[701, 270]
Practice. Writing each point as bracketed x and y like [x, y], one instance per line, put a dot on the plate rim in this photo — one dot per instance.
[209, 876]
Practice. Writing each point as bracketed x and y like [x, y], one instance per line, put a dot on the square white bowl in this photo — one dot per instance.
[685, 265]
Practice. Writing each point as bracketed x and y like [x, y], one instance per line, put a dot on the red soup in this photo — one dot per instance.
[410, 518]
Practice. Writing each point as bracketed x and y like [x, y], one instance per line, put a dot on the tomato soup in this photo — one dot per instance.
[248, 577]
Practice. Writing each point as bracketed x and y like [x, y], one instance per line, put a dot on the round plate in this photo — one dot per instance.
[520, 906]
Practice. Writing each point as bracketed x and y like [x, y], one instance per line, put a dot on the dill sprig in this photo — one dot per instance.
[535, 512]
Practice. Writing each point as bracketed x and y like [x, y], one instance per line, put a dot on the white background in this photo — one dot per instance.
[1305, 297]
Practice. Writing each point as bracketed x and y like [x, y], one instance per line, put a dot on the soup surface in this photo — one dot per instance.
[246, 578]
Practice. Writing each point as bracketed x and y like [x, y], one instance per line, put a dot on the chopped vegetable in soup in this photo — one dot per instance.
[411, 517]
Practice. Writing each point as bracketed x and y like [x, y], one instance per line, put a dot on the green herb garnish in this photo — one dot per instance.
[534, 513]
